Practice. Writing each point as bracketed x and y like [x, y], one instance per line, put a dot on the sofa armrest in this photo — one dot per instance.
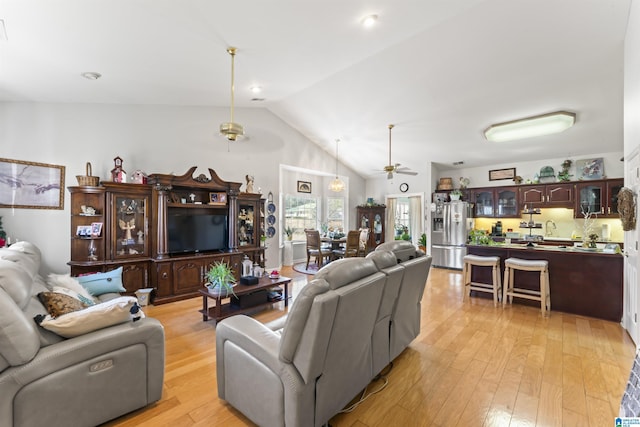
[252, 336]
[53, 358]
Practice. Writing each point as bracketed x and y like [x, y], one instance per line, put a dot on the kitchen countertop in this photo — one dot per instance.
[584, 282]
[549, 248]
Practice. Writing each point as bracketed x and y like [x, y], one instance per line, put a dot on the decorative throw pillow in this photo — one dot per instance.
[68, 282]
[102, 283]
[58, 304]
[109, 313]
[86, 301]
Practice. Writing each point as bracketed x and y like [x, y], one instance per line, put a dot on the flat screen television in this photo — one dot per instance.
[196, 232]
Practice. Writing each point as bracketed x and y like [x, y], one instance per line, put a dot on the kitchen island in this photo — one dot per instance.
[584, 282]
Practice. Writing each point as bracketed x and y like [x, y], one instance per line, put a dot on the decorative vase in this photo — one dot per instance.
[216, 289]
[454, 197]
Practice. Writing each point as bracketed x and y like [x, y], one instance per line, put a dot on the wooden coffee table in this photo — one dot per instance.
[221, 310]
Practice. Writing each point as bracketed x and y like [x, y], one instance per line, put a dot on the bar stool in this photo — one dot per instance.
[510, 291]
[495, 287]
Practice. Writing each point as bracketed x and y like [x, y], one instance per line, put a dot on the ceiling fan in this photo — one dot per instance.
[391, 168]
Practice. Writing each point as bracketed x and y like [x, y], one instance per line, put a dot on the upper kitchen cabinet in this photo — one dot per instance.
[560, 195]
[598, 197]
[495, 202]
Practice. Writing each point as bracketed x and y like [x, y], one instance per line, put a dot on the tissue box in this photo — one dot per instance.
[249, 280]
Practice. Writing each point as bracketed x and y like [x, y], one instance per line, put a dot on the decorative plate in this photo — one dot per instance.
[271, 208]
[271, 219]
[271, 231]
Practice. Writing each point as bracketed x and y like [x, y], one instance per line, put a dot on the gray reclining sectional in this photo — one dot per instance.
[345, 326]
[81, 381]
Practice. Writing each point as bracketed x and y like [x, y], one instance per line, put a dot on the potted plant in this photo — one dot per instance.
[455, 194]
[422, 242]
[288, 231]
[220, 278]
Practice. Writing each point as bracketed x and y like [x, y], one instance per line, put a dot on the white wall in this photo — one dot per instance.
[155, 139]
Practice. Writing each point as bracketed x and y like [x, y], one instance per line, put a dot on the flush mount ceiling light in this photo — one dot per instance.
[336, 185]
[232, 130]
[369, 21]
[544, 124]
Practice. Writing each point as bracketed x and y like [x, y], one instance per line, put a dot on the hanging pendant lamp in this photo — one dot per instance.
[336, 185]
[232, 130]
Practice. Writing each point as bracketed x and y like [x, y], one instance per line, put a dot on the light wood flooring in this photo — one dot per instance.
[472, 365]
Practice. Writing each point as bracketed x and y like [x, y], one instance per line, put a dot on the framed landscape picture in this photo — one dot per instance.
[31, 185]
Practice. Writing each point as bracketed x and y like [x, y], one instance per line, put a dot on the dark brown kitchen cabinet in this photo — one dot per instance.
[560, 195]
[495, 202]
[598, 197]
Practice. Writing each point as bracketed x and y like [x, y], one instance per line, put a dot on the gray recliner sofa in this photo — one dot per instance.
[405, 317]
[83, 381]
[302, 369]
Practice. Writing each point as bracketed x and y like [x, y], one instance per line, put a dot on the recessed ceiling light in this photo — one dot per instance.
[369, 21]
[256, 89]
[91, 75]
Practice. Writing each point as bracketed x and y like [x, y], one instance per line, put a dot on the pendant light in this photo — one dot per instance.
[336, 185]
[232, 130]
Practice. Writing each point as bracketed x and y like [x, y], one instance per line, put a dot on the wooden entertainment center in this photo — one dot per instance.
[133, 221]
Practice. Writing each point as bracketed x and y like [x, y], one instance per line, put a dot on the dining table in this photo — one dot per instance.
[336, 243]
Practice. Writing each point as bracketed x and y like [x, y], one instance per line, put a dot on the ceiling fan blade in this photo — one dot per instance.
[406, 172]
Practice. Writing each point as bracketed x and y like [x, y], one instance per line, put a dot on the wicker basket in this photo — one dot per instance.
[88, 180]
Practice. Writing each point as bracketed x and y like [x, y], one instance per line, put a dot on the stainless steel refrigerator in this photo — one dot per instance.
[451, 223]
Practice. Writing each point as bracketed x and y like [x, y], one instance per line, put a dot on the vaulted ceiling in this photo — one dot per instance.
[440, 70]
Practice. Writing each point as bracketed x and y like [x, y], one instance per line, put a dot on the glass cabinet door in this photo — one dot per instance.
[507, 203]
[246, 216]
[613, 188]
[484, 203]
[590, 199]
[377, 228]
[130, 235]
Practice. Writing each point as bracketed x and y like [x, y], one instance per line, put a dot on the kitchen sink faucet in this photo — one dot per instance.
[549, 229]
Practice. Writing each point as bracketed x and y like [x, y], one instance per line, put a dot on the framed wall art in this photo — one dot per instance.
[590, 168]
[304, 187]
[498, 174]
[31, 185]
[218, 198]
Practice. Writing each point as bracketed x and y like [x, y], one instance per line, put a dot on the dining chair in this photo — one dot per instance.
[352, 247]
[315, 248]
[363, 246]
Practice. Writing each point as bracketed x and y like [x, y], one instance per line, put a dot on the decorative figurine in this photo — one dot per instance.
[249, 188]
[139, 177]
[127, 226]
[117, 173]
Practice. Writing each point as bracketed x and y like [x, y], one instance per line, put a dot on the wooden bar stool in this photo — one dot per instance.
[510, 291]
[482, 261]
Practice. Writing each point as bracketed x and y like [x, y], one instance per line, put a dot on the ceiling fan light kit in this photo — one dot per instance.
[391, 168]
[544, 124]
[232, 130]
